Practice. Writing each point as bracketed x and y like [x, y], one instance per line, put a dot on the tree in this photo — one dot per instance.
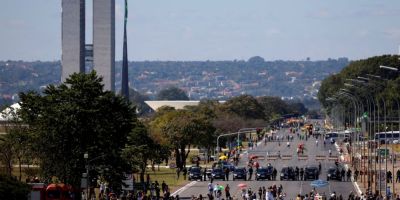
[274, 107]
[245, 106]
[181, 129]
[75, 118]
[172, 93]
[11, 189]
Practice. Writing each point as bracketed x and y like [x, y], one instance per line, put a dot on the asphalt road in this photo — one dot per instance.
[291, 188]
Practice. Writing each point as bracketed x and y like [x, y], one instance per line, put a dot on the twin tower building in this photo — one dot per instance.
[76, 54]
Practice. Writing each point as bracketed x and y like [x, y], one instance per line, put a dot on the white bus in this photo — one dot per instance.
[388, 136]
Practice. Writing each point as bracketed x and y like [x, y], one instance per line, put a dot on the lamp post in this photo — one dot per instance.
[86, 156]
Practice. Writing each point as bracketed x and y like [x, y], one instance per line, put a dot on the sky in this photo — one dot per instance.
[215, 29]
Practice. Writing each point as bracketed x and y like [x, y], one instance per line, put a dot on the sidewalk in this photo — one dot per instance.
[362, 182]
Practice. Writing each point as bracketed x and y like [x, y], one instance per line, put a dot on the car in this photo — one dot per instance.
[229, 166]
[218, 173]
[311, 172]
[288, 173]
[195, 173]
[333, 174]
[264, 173]
[240, 173]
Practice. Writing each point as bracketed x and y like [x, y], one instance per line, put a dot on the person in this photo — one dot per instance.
[205, 174]
[319, 167]
[330, 152]
[274, 173]
[279, 154]
[398, 176]
[301, 173]
[210, 189]
[389, 176]
[184, 172]
[288, 144]
[227, 192]
[356, 174]
[226, 173]
[250, 172]
[342, 174]
[260, 192]
[349, 174]
[316, 142]
[178, 173]
[164, 186]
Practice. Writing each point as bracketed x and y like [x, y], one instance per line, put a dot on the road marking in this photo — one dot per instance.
[177, 192]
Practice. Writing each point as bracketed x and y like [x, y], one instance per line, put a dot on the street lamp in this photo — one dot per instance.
[86, 156]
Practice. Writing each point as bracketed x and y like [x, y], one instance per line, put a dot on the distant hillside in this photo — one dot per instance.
[200, 79]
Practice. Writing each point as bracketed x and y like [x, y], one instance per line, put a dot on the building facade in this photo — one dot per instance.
[73, 39]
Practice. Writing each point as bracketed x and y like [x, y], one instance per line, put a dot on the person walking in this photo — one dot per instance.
[398, 176]
[205, 174]
[227, 174]
[227, 192]
[184, 172]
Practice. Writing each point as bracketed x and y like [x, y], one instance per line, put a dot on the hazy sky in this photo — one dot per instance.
[216, 29]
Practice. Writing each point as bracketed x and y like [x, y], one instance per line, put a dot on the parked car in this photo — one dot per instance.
[311, 172]
[264, 173]
[195, 173]
[287, 173]
[333, 174]
[240, 173]
[218, 173]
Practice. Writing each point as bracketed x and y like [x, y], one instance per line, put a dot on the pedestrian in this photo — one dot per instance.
[178, 173]
[274, 173]
[342, 174]
[301, 173]
[356, 174]
[164, 186]
[226, 173]
[227, 192]
[348, 174]
[205, 174]
[260, 192]
[389, 176]
[398, 176]
[184, 172]
[210, 189]
[250, 172]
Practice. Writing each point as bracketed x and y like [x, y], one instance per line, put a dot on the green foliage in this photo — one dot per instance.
[331, 85]
[75, 118]
[11, 189]
[244, 106]
[172, 93]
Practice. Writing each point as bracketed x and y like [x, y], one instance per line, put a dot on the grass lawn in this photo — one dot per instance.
[167, 175]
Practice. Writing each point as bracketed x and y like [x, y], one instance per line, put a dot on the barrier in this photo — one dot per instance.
[302, 157]
[286, 157]
[333, 158]
[320, 157]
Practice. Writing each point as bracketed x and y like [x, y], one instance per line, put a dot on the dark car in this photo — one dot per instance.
[311, 172]
[288, 173]
[333, 174]
[240, 173]
[195, 173]
[264, 173]
[229, 166]
[218, 173]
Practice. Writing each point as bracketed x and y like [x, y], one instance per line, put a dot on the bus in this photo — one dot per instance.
[387, 137]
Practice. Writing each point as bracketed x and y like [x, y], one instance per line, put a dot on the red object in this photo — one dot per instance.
[242, 185]
[59, 192]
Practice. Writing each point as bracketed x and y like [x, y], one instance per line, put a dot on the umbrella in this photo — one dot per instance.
[242, 185]
[253, 156]
[220, 187]
[319, 183]
[223, 157]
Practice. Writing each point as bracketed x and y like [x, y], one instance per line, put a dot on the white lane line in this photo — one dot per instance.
[177, 192]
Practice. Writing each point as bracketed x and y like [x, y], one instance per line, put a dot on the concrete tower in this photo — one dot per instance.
[72, 37]
[104, 41]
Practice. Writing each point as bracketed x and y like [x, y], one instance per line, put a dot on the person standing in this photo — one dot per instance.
[205, 174]
[398, 176]
[250, 172]
[227, 192]
[184, 172]
[227, 174]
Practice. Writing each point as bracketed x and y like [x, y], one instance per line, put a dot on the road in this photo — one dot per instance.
[291, 188]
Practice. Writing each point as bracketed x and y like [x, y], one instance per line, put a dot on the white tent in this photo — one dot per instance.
[8, 113]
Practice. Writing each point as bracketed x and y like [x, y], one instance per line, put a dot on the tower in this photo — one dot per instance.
[72, 37]
[104, 41]
[102, 51]
[124, 81]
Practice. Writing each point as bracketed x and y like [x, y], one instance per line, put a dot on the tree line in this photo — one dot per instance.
[56, 128]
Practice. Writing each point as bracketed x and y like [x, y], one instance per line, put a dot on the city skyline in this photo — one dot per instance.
[223, 30]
